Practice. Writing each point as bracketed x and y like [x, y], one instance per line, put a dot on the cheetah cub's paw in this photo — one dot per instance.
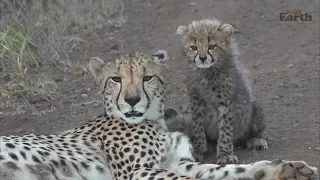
[257, 144]
[296, 170]
[227, 159]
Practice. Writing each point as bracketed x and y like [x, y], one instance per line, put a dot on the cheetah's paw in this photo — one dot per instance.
[257, 144]
[296, 170]
[227, 159]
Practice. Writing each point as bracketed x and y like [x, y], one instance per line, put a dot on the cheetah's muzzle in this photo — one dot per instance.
[133, 114]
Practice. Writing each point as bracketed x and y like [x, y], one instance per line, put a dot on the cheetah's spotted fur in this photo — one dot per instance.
[223, 107]
[122, 145]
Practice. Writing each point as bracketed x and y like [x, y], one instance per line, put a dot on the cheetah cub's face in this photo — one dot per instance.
[132, 86]
[206, 42]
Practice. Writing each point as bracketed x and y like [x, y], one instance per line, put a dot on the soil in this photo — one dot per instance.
[283, 58]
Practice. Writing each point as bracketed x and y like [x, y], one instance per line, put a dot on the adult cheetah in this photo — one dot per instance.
[130, 141]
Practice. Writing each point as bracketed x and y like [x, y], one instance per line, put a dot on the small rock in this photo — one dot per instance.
[193, 4]
[1, 113]
[317, 148]
[290, 66]
[84, 95]
[96, 104]
[88, 89]
[114, 47]
[58, 79]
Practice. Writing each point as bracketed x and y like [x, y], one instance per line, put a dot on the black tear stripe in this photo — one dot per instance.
[148, 99]
[210, 56]
[119, 96]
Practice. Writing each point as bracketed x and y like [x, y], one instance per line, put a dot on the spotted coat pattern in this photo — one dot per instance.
[112, 147]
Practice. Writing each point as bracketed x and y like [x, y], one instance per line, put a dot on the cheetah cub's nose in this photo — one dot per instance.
[132, 99]
[203, 58]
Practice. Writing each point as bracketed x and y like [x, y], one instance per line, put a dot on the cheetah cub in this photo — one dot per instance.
[223, 107]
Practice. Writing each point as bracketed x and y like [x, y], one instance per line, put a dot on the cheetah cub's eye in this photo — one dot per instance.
[116, 79]
[212, 46]
[147, 78]
[193, 48]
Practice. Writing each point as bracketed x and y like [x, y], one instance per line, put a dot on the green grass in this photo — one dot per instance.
[17, 57]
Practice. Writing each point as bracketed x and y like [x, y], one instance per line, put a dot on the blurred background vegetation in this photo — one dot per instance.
[36, 35]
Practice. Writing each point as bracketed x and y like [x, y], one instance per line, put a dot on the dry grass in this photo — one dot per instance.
[39, 34]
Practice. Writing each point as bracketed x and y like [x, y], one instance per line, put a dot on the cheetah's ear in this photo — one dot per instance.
[227, 28]
[160, 55]
[95, 66]
[181, 30]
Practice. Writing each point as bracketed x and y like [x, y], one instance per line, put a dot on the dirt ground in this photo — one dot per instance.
[283, 58]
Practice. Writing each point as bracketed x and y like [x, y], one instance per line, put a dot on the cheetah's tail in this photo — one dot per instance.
[258, 118]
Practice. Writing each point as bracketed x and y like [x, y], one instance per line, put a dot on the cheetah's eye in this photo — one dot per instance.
[147, 78]
[116, 79]
[211, 47]
[193, 48]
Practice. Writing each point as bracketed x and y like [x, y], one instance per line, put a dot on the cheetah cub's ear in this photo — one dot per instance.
[95, 66]
[227, 28]
[182, 30]
[160, 56]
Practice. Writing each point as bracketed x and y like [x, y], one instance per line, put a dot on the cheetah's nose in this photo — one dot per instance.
[132, 99]
[203, 58]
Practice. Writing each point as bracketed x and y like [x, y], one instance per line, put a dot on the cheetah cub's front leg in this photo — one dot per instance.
[225, 140]
[198, 136]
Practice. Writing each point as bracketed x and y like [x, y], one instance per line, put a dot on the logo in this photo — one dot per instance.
[295, 15]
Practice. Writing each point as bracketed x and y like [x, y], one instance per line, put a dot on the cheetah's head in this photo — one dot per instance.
[132, 85]
[206, 42]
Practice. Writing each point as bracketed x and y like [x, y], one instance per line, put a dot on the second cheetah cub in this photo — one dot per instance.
[223, 107]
